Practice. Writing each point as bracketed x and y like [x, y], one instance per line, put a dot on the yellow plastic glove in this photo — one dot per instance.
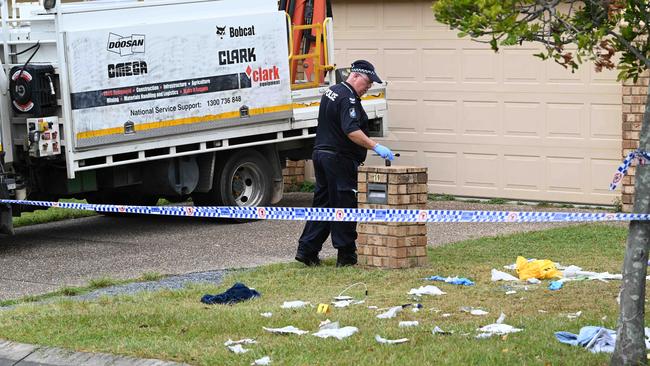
[541, 269]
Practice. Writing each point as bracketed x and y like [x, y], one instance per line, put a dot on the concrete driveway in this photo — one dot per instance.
[46, 257]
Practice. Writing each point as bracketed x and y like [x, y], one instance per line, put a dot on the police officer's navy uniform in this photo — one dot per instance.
[336, 159]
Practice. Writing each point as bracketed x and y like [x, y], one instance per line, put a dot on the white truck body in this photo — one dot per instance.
[144, 81]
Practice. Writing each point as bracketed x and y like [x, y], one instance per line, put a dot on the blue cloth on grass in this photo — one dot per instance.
[453, 280]
[555, 285]
[237, 293]
[595, 339]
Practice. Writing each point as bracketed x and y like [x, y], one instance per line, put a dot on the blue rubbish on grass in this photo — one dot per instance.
[595, 339]
[555, 285]
[453, 280]
[237, 293]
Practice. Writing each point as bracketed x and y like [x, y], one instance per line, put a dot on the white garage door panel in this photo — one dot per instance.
[488, 125]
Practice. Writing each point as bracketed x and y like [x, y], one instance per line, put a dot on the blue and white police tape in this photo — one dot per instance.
[344, 214]
[643, 157]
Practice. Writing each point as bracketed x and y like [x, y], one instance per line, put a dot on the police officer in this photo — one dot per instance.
[341, 145]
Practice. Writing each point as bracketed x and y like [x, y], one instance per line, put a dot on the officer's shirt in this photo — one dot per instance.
[341, 113]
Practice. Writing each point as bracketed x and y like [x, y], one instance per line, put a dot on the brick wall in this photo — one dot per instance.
[393, 244]
[293, 174]
[634, 98]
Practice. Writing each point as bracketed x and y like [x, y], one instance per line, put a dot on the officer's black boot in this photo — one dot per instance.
[346, 257]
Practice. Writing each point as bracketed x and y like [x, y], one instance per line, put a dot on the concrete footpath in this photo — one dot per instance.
[21, 354]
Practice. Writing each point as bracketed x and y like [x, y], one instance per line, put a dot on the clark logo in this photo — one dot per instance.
[125, 46]
[264, 76]
[237, 56]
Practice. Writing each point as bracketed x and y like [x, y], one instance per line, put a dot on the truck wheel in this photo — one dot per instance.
[245, 180]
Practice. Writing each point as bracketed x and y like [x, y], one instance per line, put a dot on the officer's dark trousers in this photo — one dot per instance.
[336, 184]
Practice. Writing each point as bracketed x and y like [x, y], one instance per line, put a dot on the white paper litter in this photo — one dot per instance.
[238, 348]
[510, 292]
[266, 360]
[426, 290]
[230, 342]
[405, 324]
[267, 315]
[501, 318]
[340, 298]
[533, 281]
[328, 324]
[390, 341]
[415, 309]
[471, 310]
[496, 329]
[502, 276]
[294, 304]
[373, 307]
[289, 329]
[478, 312]
[438, 330]
[391, 313]
[338, 333]
[346, 303]
[574, 315]
[445, 315]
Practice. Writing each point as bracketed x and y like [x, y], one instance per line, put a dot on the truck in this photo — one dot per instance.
[126, 102]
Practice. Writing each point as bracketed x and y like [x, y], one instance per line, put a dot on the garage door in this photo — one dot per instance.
[484, 124]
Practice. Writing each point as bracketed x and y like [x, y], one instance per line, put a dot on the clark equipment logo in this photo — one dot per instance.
[265, 76]
[125, 46]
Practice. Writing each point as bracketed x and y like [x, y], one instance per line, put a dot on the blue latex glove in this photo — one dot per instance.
[384, 152]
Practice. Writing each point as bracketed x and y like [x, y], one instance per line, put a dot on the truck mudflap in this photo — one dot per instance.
[6, 220]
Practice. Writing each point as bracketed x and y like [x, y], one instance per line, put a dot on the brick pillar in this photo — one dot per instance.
[634, 98]
[392, 244]
[293, 175]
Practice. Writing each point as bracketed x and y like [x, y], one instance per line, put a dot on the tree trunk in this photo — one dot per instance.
[630, 342]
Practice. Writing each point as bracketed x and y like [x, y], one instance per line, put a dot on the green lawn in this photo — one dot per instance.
[51, 214]
[174, 325]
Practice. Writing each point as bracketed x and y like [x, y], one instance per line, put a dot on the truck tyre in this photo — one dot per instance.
[245, 180]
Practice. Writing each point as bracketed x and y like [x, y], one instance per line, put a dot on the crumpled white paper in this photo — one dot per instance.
[496, 329]
[391, 313]
[471, 310]
[230, 342]
[338, 333]
[426, 290]
[289, 329]
[574, 315]
[406, 324]
[267, 315]
[390, 341]
[294, 304]
[346, 303]
[502, 276]
[238, 348]
[266, 360]
[438, 330]
[501, 318]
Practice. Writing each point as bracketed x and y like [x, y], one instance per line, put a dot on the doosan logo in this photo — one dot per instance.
[125, 46]
[264, 76]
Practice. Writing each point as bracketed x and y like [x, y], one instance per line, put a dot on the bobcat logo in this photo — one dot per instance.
[221, 31]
